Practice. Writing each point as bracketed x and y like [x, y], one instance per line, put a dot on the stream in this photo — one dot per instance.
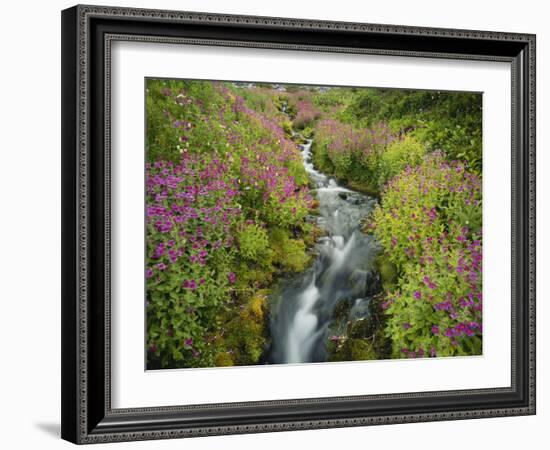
[303, 307]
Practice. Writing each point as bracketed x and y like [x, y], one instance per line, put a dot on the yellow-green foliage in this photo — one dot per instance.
[286, 215]
[253, 274]
[398, 155]
[242, 339]
[311, 233]
[296, 170]
[257, 306]
[308, 132]
[448, 121]
[253, 242]
[287, 127]
[224, 359]
[435, 307]
[288, 253]
[246, 340]
[387, 270]
[333, 99]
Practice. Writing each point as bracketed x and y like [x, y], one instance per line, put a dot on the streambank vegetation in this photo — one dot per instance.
[234, 212]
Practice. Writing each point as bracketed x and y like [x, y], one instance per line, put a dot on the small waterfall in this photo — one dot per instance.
[304, 307]
[303, 326]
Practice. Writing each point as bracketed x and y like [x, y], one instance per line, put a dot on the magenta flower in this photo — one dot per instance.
[443, 306]
[189, 284]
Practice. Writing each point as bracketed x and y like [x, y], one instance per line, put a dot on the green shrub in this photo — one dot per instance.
[287, 127]
[308, 132]
[296, 171]
[397, 156]
[446, 121]
[253, 242]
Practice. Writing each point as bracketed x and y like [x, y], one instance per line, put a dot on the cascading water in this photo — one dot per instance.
[303, 309]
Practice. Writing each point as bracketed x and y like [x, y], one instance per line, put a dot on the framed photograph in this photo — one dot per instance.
[281, 224]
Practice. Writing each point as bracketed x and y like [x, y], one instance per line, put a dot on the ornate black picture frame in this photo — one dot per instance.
[87, 35]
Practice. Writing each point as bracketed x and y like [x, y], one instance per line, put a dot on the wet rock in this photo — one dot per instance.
[373, 284]
[360, 309]
[341, 310]
[362, 328]
[358, 283]
[343, 195]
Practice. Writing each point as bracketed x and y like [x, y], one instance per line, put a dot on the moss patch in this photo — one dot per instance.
[289, 254]
[388, 271]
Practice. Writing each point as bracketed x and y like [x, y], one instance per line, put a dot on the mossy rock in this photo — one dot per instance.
[387, 270]
[341, 310]
[363, 187]
[308, 132]
[374, 283]
[297, 260]
[314, 206]
[290, 254]
[299, 139]
[224, 359]
[250, 274]
[382, 342]
[353, 350]
[257, 305]
[311, 233]
[362, 328]
[246, 339]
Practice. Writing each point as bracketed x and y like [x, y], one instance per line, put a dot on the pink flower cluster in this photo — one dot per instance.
[346, 141]
[190, 209]
[424, 223]
[306, 114]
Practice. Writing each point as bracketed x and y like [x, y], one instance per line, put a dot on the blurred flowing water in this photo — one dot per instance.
[304, 306]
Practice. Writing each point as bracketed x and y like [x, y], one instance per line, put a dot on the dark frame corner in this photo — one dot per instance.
[87, 31]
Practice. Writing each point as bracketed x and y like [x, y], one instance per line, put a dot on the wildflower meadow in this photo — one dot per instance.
[243, 182]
